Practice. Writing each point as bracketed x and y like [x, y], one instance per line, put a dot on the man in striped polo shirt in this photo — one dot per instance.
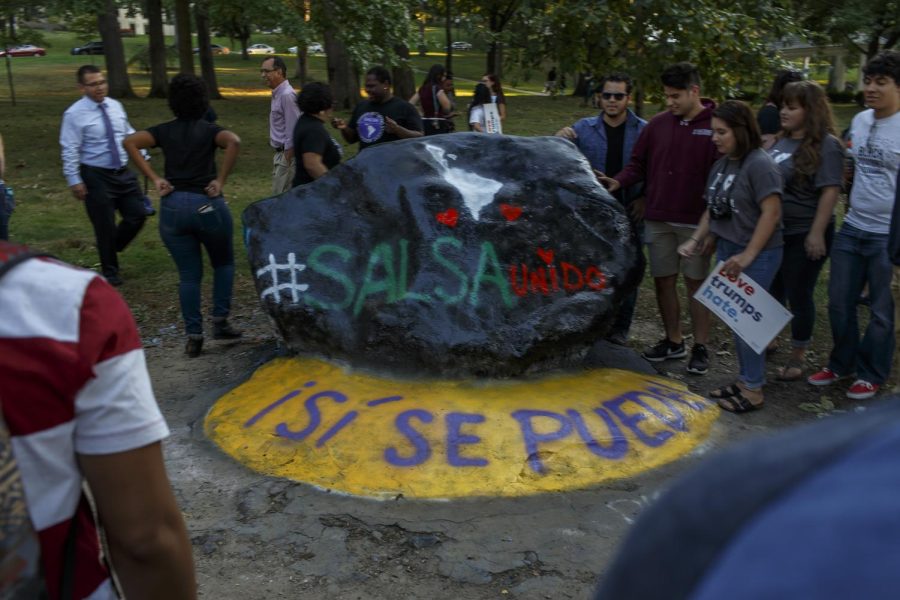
[77, 399]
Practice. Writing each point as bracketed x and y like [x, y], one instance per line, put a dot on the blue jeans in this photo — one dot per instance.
[7, 204]
[762, 270]
[184, 228]
[858, 257]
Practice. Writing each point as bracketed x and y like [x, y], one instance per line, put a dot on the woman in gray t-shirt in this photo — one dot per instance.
[743, 198]
[811, 159]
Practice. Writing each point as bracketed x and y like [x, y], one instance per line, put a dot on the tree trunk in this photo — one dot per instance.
[302, 73]
[114, 50]
[244, 37]
[183, 35]
[343, 76]
[159, 81]
[207, 69]
[404, 80]
[9, 77]
[448, 26]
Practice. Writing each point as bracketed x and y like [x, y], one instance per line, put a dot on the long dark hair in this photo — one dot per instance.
[784, 77]
[481, 96]
[739, 118]
[818, 124]
[496, 87]
[435, 75]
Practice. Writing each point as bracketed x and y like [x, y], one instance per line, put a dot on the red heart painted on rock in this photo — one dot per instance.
[511, 212]
[448, 217]
[546, 255]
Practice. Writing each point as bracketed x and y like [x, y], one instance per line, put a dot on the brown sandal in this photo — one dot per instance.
[783, 373]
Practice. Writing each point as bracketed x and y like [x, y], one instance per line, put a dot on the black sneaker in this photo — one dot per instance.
[194, 346]
[664, 350]
[699, 363]
[222, 330]
[113, 280]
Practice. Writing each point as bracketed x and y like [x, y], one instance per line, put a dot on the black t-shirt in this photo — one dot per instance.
[310, 136]
[368, 120]
[189, 147]
[615, 148]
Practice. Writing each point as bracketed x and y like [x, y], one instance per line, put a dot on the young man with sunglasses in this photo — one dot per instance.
[860, 253]
[672, 157]
[606, 140]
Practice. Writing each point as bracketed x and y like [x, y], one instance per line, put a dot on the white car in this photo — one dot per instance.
[314, 48]
[461, 46]
[260, 49]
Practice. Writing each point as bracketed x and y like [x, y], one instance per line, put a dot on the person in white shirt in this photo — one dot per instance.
[860, 251]
[283, 115]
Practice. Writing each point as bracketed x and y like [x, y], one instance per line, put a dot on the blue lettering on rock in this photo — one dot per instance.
[533, 439]
[631, 421]
[418, 441]
[315, 416]
[455, 438]
[618, 446]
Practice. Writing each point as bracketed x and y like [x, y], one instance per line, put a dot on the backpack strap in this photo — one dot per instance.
[12, 255]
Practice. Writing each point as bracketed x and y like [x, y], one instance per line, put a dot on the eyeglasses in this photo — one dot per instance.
[611, 95]
[94, 84]
[266, 71]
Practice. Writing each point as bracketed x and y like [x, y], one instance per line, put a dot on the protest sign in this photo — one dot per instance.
[742, 304]
[491, 118]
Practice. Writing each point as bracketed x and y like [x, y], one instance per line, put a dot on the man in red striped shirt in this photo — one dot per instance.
[77, 399]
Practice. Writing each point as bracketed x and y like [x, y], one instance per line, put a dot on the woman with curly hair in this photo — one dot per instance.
[810, 158]
[315, 151]
[193, 211]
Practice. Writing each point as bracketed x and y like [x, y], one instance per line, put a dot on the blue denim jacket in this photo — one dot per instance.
[591, 141]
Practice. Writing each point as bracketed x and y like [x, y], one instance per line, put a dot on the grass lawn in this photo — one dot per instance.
[48, 217]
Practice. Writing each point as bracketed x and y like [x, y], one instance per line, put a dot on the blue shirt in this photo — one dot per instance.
[83, 136]
[592, 142]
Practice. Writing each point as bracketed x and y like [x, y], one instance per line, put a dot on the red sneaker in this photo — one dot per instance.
[824, 377]
[862, 390]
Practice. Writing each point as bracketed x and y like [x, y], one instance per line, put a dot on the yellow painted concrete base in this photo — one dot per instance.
[355, 433]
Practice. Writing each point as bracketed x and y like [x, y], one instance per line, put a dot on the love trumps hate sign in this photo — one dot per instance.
[742, 304]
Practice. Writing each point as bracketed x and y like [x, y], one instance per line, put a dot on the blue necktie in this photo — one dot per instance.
[111, 139]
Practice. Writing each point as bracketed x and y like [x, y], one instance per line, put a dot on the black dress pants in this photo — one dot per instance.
[110, 190]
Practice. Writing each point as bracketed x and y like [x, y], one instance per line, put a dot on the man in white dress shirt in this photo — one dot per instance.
[94, 164]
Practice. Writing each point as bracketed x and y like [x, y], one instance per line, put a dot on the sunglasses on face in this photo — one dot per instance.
[611, 95]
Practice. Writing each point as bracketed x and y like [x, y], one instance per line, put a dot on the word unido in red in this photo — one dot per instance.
[549, 279]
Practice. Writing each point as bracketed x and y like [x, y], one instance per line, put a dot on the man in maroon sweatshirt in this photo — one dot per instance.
[672, 157]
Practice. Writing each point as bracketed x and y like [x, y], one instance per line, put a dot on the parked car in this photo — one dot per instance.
[260, 49]
[24, 50]
[314, 48]
[89, 48]
[215, 48]
[461, 46]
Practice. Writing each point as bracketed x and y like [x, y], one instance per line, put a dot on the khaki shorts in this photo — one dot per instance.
[662, 241]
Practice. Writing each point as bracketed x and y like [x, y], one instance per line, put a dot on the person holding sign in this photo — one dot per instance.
[811, 160]
[483, 115]
[743, 198]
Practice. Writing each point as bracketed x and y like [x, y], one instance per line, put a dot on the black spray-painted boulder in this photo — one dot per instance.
[462, 254]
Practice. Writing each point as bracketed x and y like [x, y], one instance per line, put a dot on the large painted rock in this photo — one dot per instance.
[462, 254]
